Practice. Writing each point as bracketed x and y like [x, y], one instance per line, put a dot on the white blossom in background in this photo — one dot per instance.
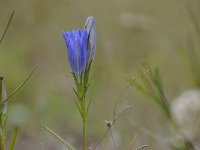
[186, 111]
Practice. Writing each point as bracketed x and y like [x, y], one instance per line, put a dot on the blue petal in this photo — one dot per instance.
[76, 42]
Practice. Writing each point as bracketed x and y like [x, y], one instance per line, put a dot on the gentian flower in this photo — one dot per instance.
[76, 42]
[81, 45]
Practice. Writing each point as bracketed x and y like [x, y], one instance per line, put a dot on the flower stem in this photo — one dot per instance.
[84, 118]
[84, 134]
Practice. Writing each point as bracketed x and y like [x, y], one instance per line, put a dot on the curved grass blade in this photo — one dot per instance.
[7, 26]
[113, 138]
[13, 139]
[59, 138]
[19, 87]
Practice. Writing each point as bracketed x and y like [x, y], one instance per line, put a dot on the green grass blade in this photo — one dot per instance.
[19, 87]
[158, 82]
[7, 26]
[59, 138]
[13, 139]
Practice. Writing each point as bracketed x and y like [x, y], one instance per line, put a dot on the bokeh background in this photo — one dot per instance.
[129, 33]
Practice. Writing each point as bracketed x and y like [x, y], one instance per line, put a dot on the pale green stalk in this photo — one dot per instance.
[2, 139]
[83, 114]
[84, 134]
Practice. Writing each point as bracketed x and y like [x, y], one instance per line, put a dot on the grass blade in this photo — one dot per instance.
[13, 139]
[7, 26]
[59, 138]
[19, 87]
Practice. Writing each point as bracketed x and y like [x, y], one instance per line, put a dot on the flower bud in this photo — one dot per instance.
[91, 29]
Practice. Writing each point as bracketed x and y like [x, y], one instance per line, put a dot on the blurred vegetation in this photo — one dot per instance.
[129, 33]
[152, 87]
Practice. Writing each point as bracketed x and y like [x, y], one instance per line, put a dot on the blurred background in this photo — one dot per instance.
[129, 33]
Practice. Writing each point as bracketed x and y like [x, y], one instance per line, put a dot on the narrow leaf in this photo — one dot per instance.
[75, 79]
[79, 108]
[13, 139]
[59, 138]
[19, 87]
[141, 89]
[158, 82]
[88, 107]
[7, 26]
[75, 92]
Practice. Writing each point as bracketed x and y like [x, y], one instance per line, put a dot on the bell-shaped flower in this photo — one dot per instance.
[77, 43]
[81, 46]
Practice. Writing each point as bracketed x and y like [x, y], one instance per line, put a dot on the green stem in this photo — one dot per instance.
[84, 123]
[2, 140]
[179, 144]
[84, 134]
[81, 93]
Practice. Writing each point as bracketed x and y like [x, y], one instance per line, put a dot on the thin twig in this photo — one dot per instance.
[123, 111]
[115, 117]
[153, 135]
[123, 91]
[100, 140]
[118, 99]
[110, 124]
[133, 143]
[113, 139]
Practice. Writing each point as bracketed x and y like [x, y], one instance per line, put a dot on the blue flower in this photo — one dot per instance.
[81, 45]
[77, 43]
